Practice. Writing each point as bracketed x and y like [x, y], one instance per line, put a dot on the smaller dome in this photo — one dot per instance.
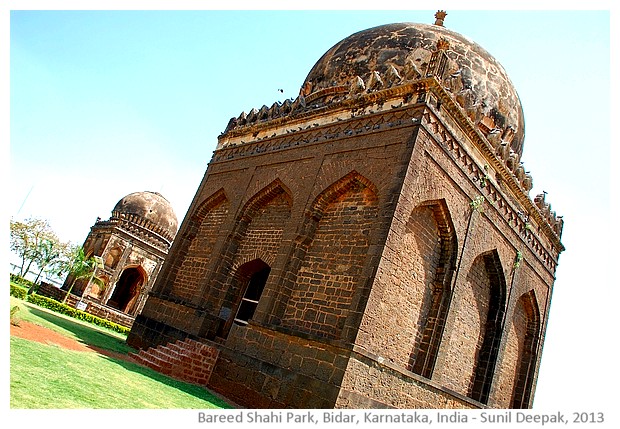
[151, 207]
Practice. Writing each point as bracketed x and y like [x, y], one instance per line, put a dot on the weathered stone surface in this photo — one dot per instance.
[407, 264]
[131, 246]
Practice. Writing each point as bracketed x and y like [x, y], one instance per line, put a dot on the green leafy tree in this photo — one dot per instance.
[48, 257]
[78, 266]
[36, 244]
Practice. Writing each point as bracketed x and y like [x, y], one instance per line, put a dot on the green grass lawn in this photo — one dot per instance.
[50, 377]
[79, 330]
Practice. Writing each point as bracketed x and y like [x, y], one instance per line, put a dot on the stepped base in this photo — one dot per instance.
[186, 360]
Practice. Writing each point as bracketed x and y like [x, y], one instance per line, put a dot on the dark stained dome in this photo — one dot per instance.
[150, 207]
[475, 79]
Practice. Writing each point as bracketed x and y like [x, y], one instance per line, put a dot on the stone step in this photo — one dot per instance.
[186, 360]
[154, 362]
[145, 361]
[163, 352]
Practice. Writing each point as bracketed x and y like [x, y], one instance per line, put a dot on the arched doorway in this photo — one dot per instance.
[127, 289]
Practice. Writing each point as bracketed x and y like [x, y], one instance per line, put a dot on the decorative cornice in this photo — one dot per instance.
[290, 115]
[510, 172]
[515, 217]
[137, 230]
[363, 124]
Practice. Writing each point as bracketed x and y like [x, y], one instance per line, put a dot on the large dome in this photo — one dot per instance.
[476, 80]
[151, 208]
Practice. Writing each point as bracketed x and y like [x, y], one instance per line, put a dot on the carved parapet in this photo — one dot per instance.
[556, 222]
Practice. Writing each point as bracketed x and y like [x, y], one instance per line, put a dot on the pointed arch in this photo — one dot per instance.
[351, 182]
[217, 198]
[487, 271]
[526, 367]
[257, 236]
[127, 289]
[435, 304]
[329, 260]
[264, 196]
[189, 264]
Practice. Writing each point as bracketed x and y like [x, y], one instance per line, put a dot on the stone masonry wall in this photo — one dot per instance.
[390, 310]
[261, 368]
[304, 169]
[467, 331]
[331, 268]
[193, 269]
[370, 384]
[516, 333]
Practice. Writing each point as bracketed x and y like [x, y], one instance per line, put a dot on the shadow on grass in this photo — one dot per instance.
[98, 339]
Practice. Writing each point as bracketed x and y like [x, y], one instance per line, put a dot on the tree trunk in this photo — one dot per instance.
[64, 301]
[34, 284]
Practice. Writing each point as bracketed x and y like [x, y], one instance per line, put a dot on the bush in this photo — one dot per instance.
[21, 281]
[18, 291]
[14, 317]
[21, 292]
[65, 309]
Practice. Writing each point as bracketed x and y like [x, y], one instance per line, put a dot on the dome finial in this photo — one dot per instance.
[439, 17]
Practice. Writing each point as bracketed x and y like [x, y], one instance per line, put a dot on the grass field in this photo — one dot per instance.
[50, 377]
[79, 330]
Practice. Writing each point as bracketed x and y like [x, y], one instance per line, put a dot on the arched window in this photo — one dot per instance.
[253, 275]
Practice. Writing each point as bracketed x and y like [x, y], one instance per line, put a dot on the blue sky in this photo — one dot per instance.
[105, 103]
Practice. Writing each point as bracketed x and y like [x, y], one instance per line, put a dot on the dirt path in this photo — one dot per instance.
[33, 332]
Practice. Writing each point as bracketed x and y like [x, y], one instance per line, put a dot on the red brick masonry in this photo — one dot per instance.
[187, 360]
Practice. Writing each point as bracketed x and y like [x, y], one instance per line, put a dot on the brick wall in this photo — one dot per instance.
[193, 270]
[331, 268]
[265, 368]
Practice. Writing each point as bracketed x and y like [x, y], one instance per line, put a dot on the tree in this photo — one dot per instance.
[34, 242]
[79, 267]
[48, 257]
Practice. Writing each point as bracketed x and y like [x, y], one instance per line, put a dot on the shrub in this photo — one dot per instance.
[18, 291]
[65, 309]
[14, 316]
[21, 281]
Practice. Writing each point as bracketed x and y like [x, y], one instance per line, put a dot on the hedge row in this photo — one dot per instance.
[21, 281]
[18, 291]
[59, 307]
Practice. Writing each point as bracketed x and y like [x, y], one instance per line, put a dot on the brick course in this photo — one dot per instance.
[402, 272]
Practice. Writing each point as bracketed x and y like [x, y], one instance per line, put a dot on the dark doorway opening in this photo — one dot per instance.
[127, 290]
